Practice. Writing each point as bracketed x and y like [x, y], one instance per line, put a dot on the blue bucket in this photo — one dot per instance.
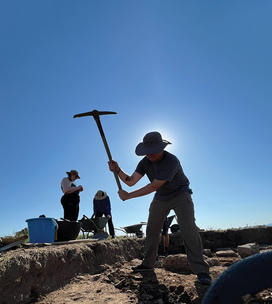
[41, 230]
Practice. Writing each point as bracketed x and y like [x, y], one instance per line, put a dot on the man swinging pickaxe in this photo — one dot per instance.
[95, 115]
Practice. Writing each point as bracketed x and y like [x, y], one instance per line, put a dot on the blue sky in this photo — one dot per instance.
[197, 71]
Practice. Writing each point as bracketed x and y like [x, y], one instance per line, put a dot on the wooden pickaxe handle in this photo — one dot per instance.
[95, 114]
[97, 120]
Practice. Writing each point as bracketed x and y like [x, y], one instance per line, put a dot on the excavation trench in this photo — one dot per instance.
[27, 273]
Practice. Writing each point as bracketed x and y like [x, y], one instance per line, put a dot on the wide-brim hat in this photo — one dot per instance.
[152, 143]
[74, 172]
[100, 195]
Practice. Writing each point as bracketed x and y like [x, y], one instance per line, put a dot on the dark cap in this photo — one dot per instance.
[73, 172]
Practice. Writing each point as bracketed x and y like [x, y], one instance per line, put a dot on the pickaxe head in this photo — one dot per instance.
[94, 113]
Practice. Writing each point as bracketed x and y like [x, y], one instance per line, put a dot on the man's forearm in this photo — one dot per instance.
[143, 191]
[151, 187]
[125, 178]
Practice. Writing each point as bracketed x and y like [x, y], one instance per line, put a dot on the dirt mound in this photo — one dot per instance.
[118, 285]
[27, 273]
[100, 272]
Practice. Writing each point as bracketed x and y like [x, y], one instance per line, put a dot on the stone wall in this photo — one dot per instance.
[226, 238]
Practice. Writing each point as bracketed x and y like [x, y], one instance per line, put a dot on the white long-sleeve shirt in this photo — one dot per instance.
[67, 186]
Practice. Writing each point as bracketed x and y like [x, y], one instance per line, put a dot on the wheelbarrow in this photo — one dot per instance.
[95, 225]
[67, 230]
[133, 229]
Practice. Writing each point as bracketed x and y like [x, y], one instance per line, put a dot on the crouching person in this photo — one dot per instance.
[102, 206]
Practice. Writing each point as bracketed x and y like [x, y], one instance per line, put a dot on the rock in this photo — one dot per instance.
[263, 250]
[185, 298]
[223, 249]
[120, 284]
[248, 249]
[96, 277]
[207, 252]
[179, 290]
[147, 297]
[176, 262]
[226, 253]
[172, 288]
[213, 261]
[37, 265]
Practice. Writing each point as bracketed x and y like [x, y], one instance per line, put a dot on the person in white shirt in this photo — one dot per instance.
[70, 199]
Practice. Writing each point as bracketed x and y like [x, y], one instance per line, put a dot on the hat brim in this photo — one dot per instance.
[144, 148]
[98, 197]
[68, 173]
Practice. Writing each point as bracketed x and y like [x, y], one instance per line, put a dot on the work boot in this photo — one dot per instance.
[141, 268]
[204, 278]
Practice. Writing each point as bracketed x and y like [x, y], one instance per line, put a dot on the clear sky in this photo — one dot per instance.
[200, 72]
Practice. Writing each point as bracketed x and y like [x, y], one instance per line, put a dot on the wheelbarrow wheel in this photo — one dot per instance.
[174, 228]
[139, 234]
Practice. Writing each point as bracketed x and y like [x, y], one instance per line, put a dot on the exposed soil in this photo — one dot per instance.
[117, 285]
[100, 272]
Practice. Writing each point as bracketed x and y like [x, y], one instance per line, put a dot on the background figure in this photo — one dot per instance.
[102, 206]
[70, 199]
[165, 237]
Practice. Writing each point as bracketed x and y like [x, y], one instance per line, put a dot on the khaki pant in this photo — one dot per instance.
[184, 209]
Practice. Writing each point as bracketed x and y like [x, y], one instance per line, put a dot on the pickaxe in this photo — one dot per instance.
[95, 115]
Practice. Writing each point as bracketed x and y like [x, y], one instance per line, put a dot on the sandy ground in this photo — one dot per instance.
[118, 285]
[100, 272]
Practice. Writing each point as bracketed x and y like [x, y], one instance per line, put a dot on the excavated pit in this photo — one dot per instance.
[29, 274]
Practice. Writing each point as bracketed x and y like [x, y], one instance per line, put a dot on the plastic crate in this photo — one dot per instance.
[41, 230]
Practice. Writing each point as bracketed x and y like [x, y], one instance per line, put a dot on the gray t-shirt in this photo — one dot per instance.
[168, 168]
